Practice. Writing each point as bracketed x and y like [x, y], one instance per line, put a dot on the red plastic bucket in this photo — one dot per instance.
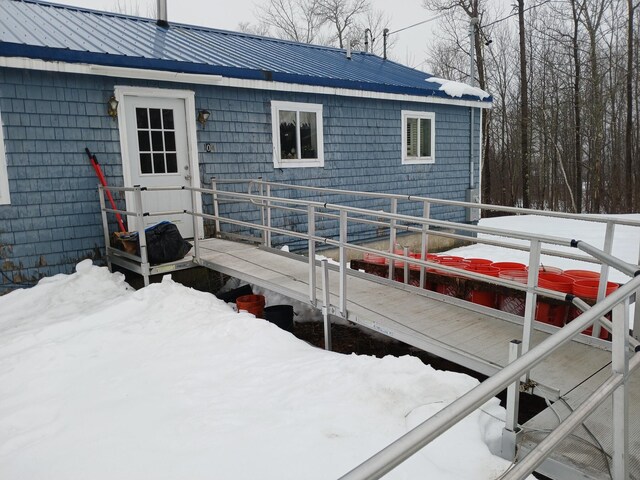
[550, 269]
[587, 289]
[478, 261]
[251, 303]
[513, 303]
[582, 274]
[447, 288]
[551, 313]
[480, 296]
[509, 265]
[373, 258]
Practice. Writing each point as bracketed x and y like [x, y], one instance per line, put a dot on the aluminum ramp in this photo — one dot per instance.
[449, 328]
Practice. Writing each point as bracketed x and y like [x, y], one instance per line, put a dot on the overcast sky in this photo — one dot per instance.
[409, 48]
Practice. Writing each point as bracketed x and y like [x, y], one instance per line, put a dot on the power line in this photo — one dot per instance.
[416, 24]
[516, 13]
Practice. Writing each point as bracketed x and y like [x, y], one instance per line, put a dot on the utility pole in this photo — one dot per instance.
[473, 24]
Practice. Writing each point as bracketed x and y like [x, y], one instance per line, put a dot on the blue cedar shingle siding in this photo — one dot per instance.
[49, 118]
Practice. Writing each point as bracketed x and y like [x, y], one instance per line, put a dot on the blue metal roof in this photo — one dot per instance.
[46, 31]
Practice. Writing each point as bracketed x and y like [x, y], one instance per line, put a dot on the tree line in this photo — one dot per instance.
[563, 132]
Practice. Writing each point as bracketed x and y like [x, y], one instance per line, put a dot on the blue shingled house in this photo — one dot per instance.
[133, 89]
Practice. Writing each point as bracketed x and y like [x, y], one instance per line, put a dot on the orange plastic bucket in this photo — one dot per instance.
[513, 303]
[251, 303]
[587, 289]
[550, 313]
[480, 296]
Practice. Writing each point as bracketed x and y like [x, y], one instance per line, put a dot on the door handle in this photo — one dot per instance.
[187, 177]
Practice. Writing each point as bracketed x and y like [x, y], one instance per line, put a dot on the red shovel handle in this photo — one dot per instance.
[103, 182]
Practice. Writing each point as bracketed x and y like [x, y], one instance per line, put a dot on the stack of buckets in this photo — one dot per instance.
[581, 283]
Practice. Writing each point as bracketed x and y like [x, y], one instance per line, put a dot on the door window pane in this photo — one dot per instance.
[172, 163]
[154, 118]
[167, 119]
[145, 163]
[158, 163]
[288, 135]
[170, 141]
[142, 118]
[143, 141]
[156, 141]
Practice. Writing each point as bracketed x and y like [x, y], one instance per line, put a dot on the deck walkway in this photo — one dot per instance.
[448, 328]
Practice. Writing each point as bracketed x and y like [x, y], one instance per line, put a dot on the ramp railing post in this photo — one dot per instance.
[406, 265]
[142, 238]
[194, 217]
[636, 313]
[392, 235]
[311, 220]
[604, 271]
[262, 212]
[424, 245]
[511, 428]
[326, 302]
[530, 301]
[216, 207]
[620, 365]
[343, 263]
[105, 224]
[268, 238]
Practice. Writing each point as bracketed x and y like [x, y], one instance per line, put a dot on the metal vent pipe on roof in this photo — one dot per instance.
[162, 14]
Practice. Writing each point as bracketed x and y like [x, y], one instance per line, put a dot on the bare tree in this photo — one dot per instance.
[259, 28]
[628, 136]
[297, 20]
[342, 15]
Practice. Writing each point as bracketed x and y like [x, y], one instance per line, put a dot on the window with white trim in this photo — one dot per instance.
[4, 178]
[297, 134]
[418, 137]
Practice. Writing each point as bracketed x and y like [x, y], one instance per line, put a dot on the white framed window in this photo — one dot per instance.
[297, 134]
[418, 137]
[5, 198]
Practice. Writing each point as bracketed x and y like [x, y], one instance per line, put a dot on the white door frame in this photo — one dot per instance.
[122, 91]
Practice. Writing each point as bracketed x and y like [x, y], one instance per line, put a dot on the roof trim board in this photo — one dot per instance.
[220, 80]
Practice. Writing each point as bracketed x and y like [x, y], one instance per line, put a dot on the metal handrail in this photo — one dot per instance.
[454, 203]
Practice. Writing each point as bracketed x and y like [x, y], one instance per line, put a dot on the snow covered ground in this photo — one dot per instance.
[101, 382]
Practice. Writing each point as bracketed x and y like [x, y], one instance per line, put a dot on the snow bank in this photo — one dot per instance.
[98, 381]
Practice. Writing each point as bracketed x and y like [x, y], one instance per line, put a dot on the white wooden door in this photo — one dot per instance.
[158, 155]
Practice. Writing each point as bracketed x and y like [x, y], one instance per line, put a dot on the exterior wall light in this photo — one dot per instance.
[203, 116]
[112, 107]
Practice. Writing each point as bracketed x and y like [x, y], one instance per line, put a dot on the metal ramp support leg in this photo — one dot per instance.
[326, 302]
[620, 365]
[142, 238]
[511, 429]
